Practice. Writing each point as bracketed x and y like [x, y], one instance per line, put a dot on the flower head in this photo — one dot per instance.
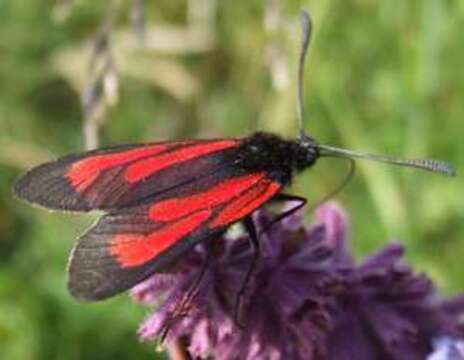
[307, 298]
[389, 311]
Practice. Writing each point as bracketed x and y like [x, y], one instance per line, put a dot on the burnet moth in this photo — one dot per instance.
[163, 198]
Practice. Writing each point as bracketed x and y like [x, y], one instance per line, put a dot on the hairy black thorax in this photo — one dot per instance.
[279, 157]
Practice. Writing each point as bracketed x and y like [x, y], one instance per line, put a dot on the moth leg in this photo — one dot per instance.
[250, 228]
[193, 289]
[285, 197]
[181, 308]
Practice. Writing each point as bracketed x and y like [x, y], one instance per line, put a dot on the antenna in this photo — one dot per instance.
[435, 166]
[306, 29]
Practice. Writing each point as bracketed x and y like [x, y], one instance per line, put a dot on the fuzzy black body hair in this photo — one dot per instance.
[278, 157]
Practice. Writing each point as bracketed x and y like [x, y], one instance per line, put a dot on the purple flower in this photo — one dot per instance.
[307, 298]
[388, 311]
[284, 308]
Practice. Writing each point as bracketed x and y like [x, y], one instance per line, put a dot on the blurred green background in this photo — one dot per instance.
[383, 76]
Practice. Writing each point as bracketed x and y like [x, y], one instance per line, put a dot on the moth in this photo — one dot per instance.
[160, 199]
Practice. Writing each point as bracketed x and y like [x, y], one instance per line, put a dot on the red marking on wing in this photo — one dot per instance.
[136, 249]
[147, 167]
[84, 172]
[246, 203]
[172, 209]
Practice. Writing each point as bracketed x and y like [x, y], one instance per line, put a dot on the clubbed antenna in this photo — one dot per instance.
[306, 27]
[435, 166]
